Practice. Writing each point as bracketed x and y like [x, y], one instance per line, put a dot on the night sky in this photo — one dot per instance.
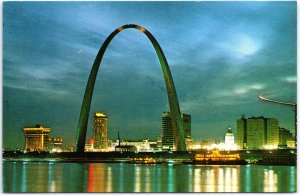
[222, 55]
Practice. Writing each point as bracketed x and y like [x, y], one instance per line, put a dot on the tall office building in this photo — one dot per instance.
[100, 131]
[257, 132]
[159, 140]
[272, 132]
[168, 132]
[241, 136]
[187, 127]
[36, 138]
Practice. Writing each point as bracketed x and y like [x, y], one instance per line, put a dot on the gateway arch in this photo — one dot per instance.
[172, 97]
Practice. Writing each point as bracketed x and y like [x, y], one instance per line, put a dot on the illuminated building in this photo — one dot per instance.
[141, 145]
[89, 147]
[55, 144]
[286, 138]
[159, 140]
[187, 127]
[272, 132]
[242, 132]
[257, 133]
[167, 131]
[36, 138]
[100, 131]
[229, 143]
[229, 137]
[124, 148]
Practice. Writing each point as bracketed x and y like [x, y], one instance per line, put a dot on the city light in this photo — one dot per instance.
[270, 147]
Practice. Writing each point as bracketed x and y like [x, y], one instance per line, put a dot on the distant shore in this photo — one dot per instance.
[259, 157]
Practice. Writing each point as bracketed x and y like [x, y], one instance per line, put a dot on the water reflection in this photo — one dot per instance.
[99, 178]
[170, 178]
[216, 179]
[137, 186]
[247, 179]
[270, 181]
[122, 177]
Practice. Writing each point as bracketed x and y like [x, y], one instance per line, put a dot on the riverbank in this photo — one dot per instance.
[260, 157]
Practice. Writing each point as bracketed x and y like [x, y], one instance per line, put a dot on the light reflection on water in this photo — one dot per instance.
[122, 177]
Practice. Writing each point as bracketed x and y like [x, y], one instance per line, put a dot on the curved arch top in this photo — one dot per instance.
[172, 97]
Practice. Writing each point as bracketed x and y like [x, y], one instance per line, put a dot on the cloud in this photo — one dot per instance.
[290, 79]
[247, 89]
[241, 45]
[221, 55]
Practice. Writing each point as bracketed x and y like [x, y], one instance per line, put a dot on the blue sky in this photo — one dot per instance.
[222, 55]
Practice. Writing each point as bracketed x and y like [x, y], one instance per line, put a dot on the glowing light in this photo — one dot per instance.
[270, 147]
[56, 150]
[227, 147]
[196, 146]
[99, 114]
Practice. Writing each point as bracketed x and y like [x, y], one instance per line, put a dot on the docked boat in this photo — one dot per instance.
[144, 161]
[215, 157]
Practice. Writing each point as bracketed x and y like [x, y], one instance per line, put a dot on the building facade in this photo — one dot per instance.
[167, 132]
[286, 138]
[187, 126]
[55, 144]
[167, 140]
[100, 131]
[36, 138]
[229, 137]
[257, 133]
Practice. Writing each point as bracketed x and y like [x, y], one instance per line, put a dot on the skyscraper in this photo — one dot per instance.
[257, 132]
[241, 137]
[167, 131]
[272, 132]
[36, 138]
[187, 127]
[100, 131]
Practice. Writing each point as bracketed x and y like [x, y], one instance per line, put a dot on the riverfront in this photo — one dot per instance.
[265, 157]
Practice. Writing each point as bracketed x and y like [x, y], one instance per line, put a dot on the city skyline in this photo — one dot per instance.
[220, 54]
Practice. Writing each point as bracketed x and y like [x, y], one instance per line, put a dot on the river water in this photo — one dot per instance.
[124, 177]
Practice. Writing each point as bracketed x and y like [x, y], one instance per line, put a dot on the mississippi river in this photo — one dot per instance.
[124, 177]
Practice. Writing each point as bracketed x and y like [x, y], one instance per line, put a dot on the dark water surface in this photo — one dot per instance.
[123, 177]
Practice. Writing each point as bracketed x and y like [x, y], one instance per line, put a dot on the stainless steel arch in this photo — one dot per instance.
[172, 97]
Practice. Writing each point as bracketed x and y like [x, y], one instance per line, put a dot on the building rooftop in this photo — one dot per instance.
[99, 114]
[37, 128]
